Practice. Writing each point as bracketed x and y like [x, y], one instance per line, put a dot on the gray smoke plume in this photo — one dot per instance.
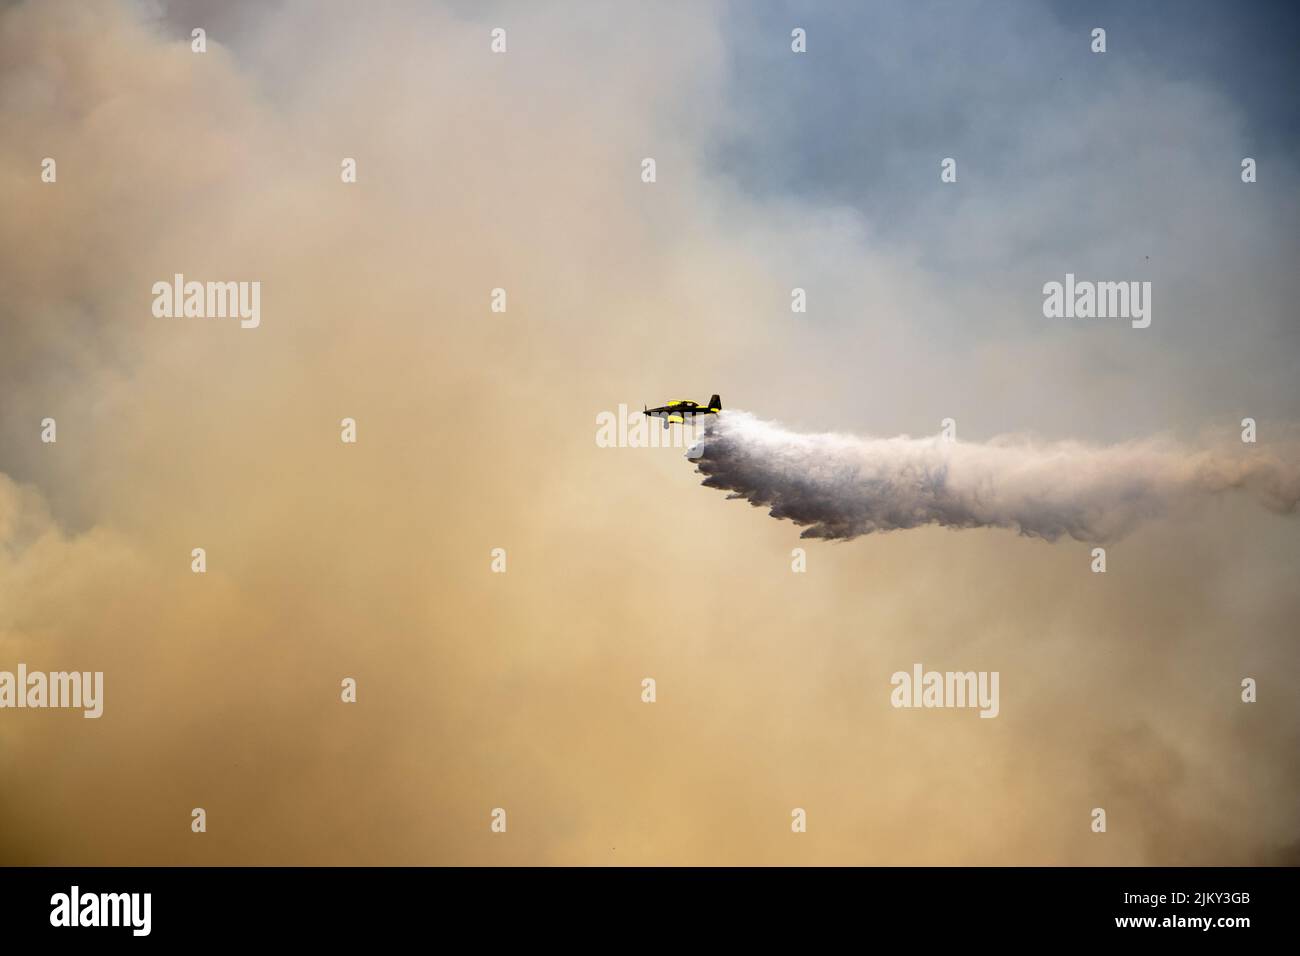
[841, 486]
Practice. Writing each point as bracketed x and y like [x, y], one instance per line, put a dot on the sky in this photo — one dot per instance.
[476, 430]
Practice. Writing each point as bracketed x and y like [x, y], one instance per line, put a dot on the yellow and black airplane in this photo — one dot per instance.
[678, 412]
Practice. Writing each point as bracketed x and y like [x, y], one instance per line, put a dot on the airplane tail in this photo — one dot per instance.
[715, 403]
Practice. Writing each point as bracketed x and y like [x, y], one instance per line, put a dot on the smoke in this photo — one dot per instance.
[841, 486]
[479, 690]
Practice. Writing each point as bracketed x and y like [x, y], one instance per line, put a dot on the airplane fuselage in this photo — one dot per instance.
[678, 412]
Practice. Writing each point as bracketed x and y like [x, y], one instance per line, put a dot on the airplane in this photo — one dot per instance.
[678, 412]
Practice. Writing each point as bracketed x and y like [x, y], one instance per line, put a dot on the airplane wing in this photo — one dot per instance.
[676, 418]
